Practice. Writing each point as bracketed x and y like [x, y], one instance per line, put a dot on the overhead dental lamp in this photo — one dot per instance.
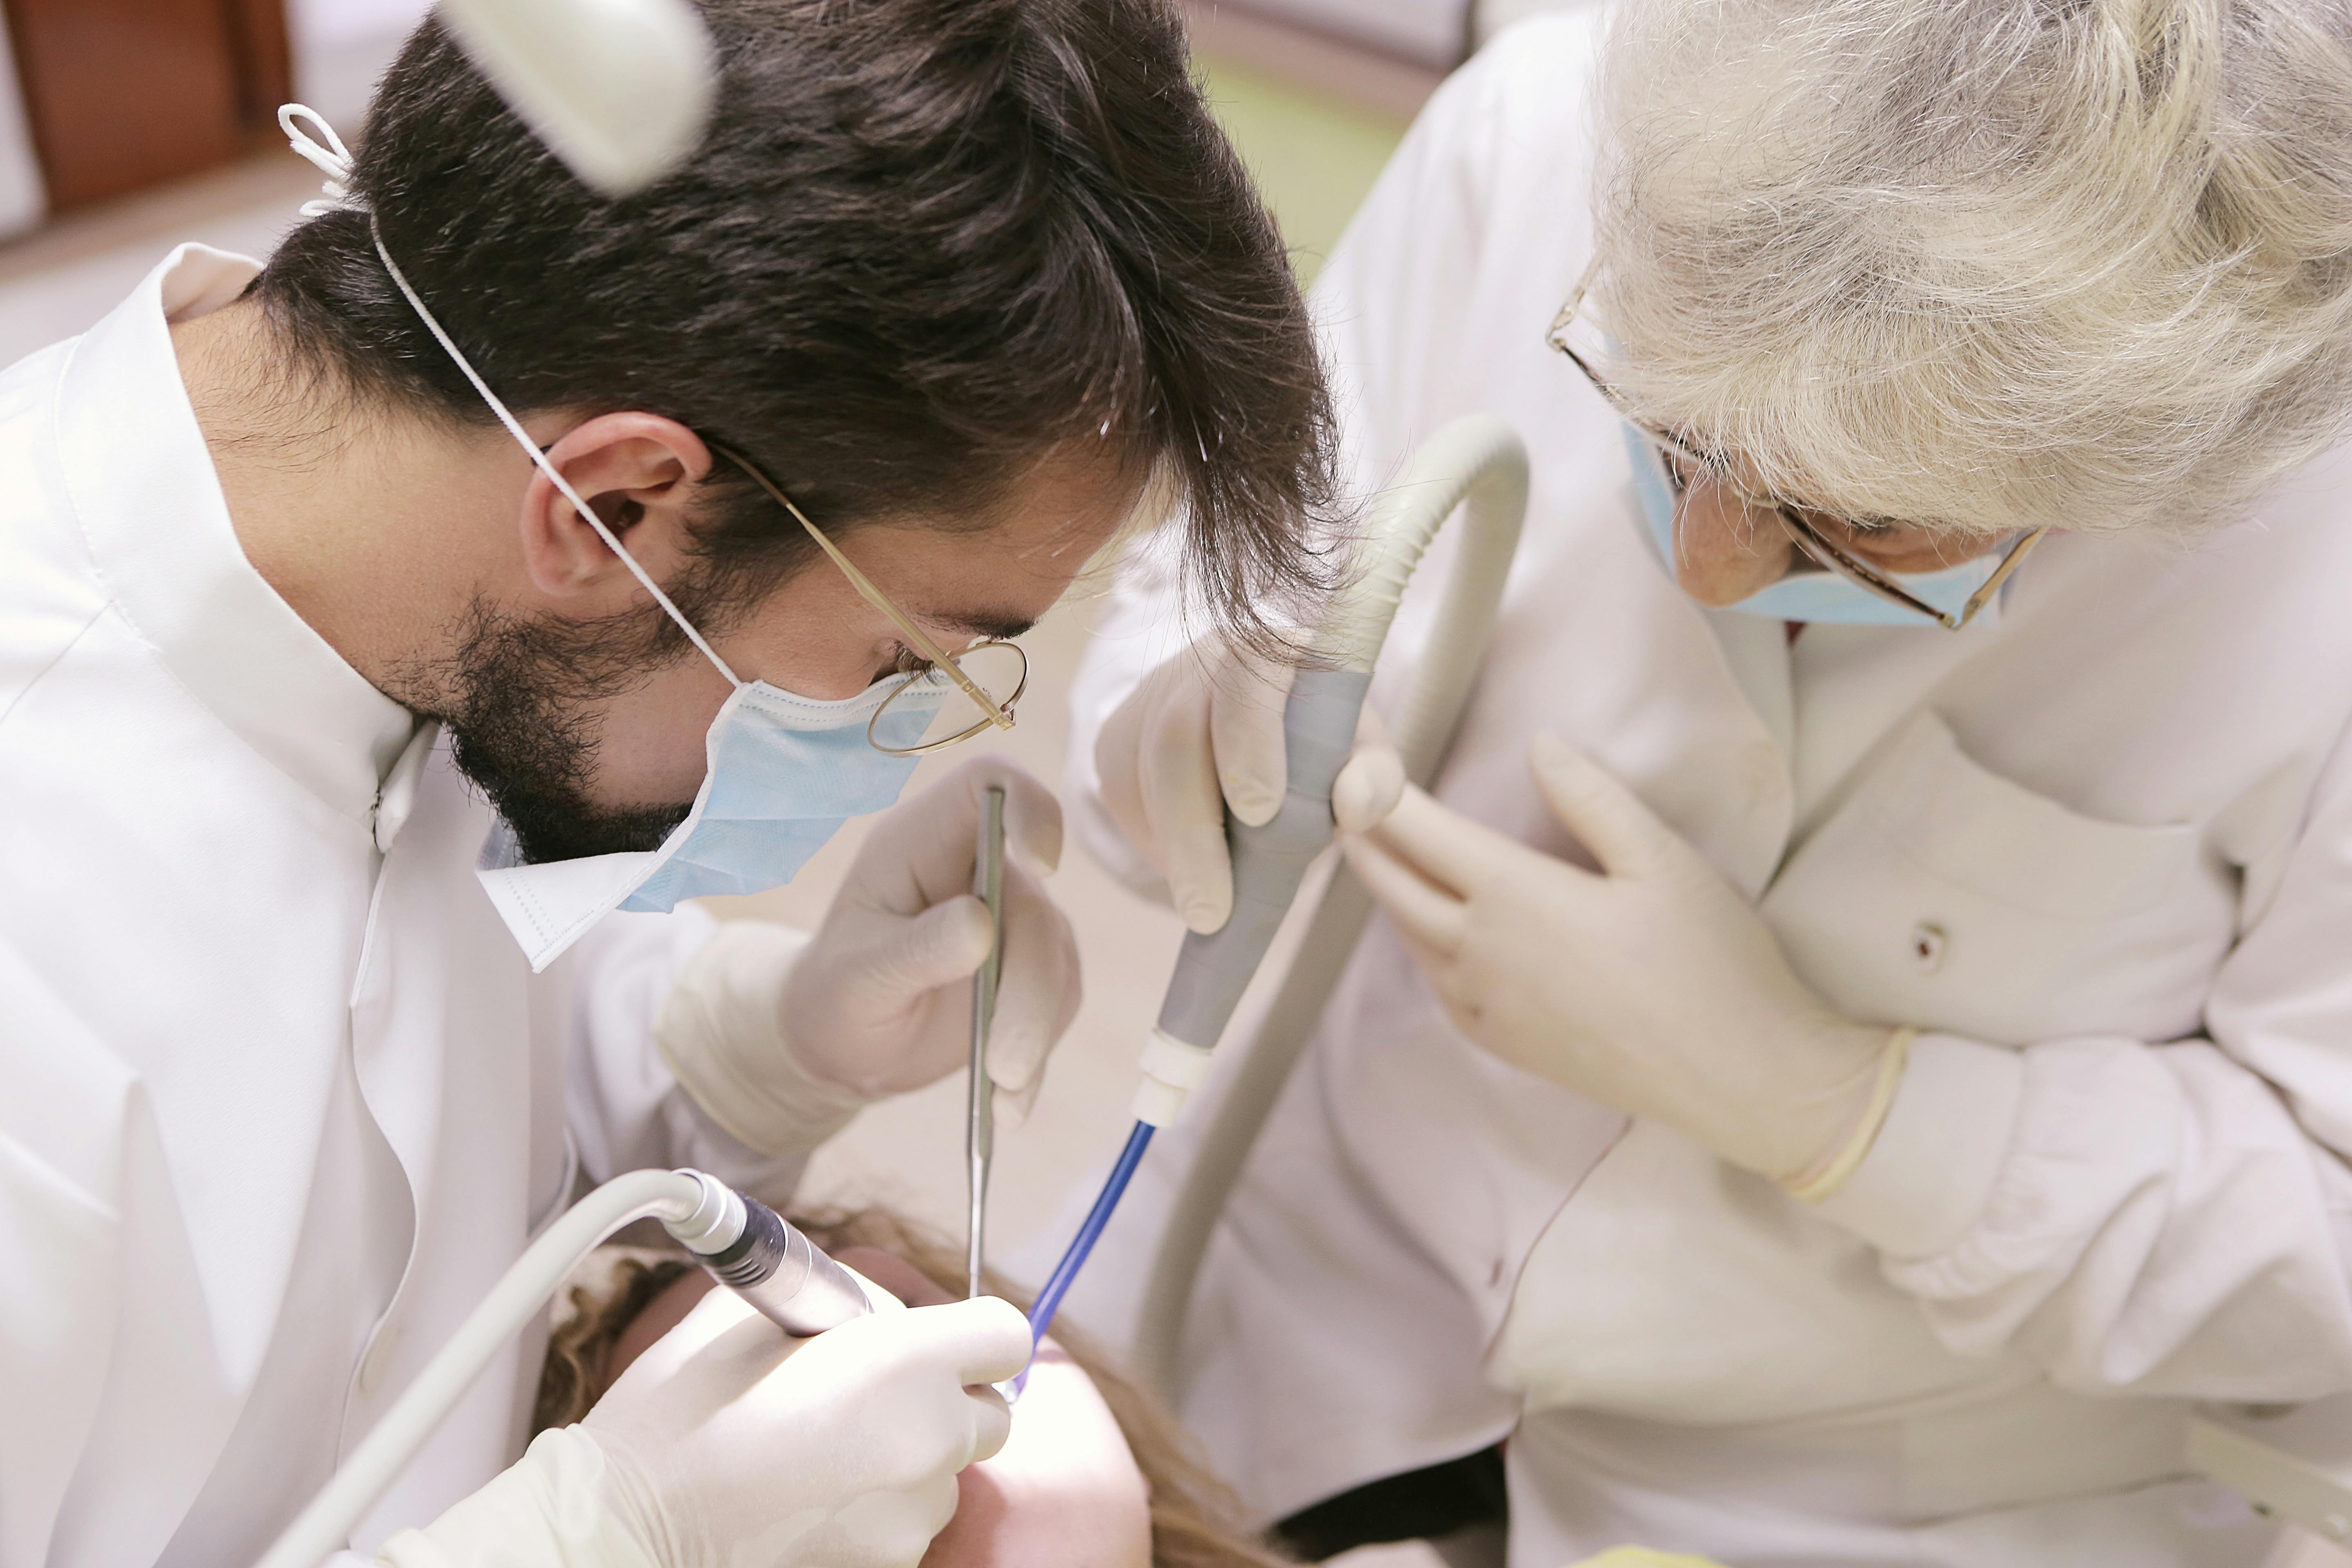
[619, 90]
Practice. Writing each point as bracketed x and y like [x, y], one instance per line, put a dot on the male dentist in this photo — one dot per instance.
[376, 624]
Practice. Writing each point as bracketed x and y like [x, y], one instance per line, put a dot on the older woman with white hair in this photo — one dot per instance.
[1860, 1038]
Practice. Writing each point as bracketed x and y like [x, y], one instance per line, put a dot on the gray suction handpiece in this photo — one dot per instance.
[1478, 463]
[1475, 460]
[1318, 733]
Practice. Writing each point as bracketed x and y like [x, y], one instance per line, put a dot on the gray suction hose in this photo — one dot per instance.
[1476, 463]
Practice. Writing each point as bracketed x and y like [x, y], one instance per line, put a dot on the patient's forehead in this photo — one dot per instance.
[657, 1318]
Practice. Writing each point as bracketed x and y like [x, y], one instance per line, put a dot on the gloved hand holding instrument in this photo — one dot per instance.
[781, 1036]
[1200, 740]
[729, 1445]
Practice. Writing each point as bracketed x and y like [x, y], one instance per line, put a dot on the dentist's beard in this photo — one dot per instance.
[522, 699]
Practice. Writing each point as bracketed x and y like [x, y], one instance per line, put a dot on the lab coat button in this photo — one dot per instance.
[378, 1357]
[1927, 947]
[397, 798]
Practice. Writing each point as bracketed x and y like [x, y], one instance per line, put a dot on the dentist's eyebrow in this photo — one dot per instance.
[982, 623]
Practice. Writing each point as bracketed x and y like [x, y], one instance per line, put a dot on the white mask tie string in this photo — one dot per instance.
[331, 158]
[334, 160]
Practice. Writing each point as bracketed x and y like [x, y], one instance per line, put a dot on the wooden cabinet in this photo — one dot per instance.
[123, 94]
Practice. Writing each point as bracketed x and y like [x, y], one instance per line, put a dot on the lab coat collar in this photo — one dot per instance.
[150, 504]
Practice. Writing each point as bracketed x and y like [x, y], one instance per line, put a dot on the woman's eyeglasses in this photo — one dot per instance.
[1575, 333]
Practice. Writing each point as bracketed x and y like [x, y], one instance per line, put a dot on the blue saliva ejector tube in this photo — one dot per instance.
[1057, 1284]
[1478, 459]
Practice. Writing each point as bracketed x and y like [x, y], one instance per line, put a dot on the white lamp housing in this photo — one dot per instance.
[619, 90]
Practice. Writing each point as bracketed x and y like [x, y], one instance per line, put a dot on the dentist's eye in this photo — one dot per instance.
[1679, 477]
[905, 660]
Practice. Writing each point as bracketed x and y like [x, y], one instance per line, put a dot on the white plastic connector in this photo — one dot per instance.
[717, 1221]
[1172, 1070]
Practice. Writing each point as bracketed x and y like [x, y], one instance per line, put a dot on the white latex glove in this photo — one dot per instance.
[1203, 733]
[1064, 1492]
[882, 999]
[1651, 985]
[779, 1039]
[729, 1446]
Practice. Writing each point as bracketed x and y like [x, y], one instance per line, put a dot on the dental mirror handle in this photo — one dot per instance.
[980, 1116]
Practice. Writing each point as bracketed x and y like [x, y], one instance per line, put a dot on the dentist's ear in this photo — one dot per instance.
[640, 472]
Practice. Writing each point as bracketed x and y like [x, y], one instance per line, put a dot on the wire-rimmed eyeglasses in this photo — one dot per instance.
[1574, 334]
[989, 674]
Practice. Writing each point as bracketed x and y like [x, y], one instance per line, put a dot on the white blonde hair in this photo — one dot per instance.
[1985, 264]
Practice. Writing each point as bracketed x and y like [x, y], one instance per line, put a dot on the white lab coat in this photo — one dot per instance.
[2098, 847]
[280, 1099]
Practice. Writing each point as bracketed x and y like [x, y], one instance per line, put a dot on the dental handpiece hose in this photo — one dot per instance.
[744, 1243]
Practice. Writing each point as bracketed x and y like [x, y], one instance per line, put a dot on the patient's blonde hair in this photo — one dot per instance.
[1985, 264]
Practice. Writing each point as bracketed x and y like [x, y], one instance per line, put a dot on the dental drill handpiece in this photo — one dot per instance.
[741, 1241]
[761, 1257]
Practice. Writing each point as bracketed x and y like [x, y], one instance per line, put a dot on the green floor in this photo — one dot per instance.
[1315, 156]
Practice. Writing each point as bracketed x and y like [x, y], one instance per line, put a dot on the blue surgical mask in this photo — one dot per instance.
[782, 773]
[1811, 594]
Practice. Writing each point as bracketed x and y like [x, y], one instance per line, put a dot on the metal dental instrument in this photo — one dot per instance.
[980, 1117]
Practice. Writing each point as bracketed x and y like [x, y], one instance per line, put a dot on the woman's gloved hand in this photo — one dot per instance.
[1203, 733]
[1651, 985]
[729, 1446]
[780, 1038]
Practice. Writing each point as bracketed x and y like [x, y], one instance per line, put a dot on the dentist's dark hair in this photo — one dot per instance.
[923, 244]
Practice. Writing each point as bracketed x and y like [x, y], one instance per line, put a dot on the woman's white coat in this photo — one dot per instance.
[2098, 847]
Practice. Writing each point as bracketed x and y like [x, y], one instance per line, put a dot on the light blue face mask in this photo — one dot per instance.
[782, 773]
[1811, 594]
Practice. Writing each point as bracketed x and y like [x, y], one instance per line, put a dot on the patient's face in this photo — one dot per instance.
[1063, 1492]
